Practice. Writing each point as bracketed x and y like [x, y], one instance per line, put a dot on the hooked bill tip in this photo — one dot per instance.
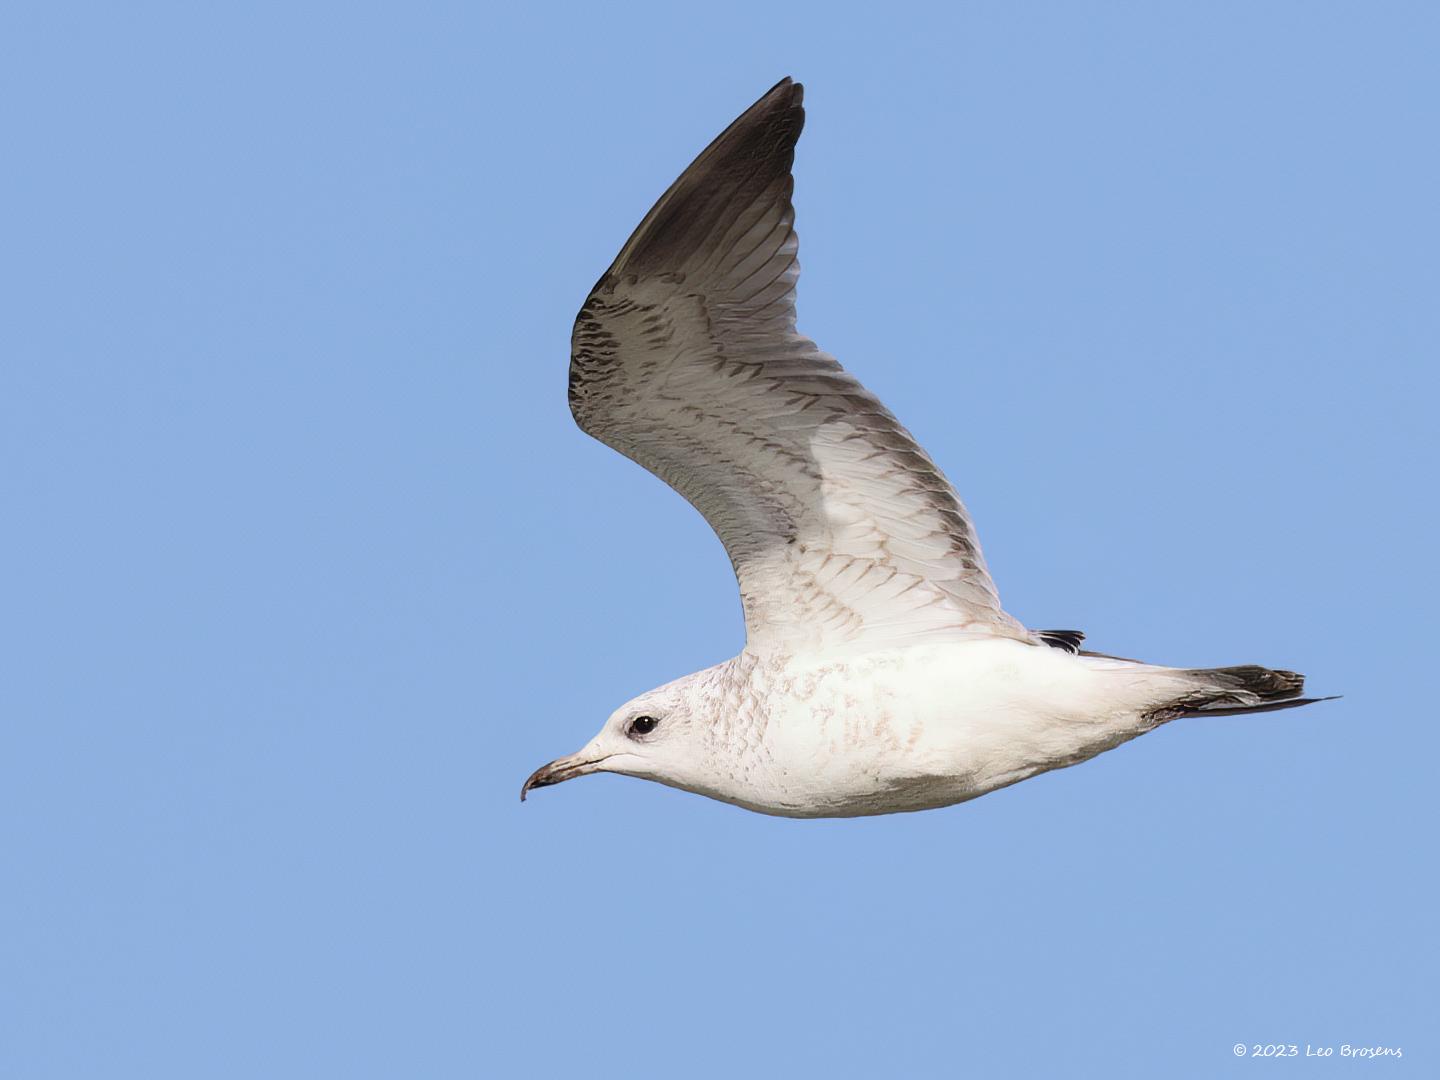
[559, 770]
[541, 777]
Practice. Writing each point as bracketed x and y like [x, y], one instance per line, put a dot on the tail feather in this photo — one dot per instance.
[1229, 691]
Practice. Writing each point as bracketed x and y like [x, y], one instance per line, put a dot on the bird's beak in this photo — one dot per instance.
[565, 768]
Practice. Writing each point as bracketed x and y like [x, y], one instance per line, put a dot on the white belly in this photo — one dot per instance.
[938, 724]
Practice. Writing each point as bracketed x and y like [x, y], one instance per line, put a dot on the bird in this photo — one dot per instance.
[879, 673]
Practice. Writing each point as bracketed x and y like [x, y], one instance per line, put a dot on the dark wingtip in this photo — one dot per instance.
[796, 91]
[1246, 710]
[1068, 640]
[782, 104]
[754, 151]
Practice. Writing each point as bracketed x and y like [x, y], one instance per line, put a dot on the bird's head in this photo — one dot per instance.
[654, 736]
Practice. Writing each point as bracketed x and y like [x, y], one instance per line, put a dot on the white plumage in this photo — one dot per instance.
[879, 672]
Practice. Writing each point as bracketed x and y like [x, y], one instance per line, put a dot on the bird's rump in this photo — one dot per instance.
[685, 358]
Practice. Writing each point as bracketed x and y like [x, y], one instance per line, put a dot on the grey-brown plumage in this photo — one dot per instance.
[686, 359]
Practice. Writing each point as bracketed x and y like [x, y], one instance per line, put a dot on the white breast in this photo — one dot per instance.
[932, 725]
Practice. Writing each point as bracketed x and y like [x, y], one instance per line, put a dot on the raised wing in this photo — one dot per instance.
[841, 529]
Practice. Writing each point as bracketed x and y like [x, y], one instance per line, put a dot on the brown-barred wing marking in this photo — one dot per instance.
[685, 357]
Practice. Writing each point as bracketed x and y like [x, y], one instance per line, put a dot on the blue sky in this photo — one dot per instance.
[306, 566]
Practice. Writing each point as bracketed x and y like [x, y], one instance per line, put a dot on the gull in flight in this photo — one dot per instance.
[880, 673]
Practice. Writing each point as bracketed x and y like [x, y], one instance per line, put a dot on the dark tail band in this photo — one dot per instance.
[1229, 691]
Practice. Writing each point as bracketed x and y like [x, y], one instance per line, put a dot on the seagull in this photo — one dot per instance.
[879, 673]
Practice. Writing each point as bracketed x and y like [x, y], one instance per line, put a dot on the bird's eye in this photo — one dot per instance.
[643, 725]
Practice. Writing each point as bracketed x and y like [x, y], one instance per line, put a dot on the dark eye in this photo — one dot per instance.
[643, 725]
